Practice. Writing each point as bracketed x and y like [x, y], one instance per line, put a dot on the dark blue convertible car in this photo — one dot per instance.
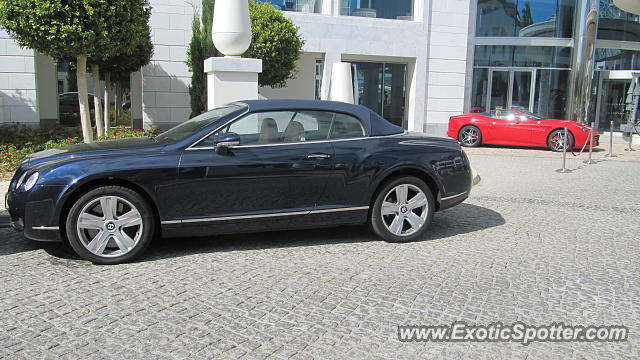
[245, 167]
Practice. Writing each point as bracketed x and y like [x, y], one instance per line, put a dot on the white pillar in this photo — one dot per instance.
[231, 79]
[46, 90]
[136, 101]
[341, 83]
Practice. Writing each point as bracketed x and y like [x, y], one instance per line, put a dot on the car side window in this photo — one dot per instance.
[346, 127]
[277, 127]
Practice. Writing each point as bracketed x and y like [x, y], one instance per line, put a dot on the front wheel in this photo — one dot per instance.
[556, 141]
[403, 210]
[110, 225]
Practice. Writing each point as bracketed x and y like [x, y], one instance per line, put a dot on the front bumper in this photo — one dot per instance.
[34, 212]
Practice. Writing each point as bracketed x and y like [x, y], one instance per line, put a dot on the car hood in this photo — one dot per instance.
[567, 123]
[99, 148]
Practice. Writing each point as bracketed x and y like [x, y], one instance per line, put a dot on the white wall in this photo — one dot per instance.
[165, 81]
[18, 100]
[302, 87]
[448, 36]
[365, 39]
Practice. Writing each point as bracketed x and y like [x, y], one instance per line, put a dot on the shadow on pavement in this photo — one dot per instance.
[462, 219]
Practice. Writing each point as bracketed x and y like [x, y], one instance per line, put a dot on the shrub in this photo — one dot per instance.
[18, 141]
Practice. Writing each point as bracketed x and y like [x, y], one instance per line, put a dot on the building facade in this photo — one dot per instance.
[415, 62]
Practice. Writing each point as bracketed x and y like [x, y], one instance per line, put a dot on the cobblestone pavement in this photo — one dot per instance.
[529, 245]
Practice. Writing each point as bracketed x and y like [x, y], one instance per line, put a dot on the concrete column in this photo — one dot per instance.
[136, 101]
[231, 79]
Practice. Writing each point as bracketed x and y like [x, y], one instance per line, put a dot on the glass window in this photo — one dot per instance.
[346, 127]
[277, 127]
[382, 87]
[525, 18]
[318, 83]
[479, 90]
[522, 56]
[616, 59]
[199, 122]
[616, 24]
[307, 6]
[551, 87]
[384, 9]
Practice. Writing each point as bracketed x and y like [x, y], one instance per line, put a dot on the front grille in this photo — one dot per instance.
[596, 139]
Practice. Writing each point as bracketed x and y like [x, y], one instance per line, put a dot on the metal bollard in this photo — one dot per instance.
[630, 125]
[610, 154]
[590, 160]
[565, 142]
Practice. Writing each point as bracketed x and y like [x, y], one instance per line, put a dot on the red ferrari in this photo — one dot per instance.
[516, 127]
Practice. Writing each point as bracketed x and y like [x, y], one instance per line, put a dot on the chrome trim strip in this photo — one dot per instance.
[339, 210]
[258, 216]
[301, 142]
[46, 228]
[453, 197]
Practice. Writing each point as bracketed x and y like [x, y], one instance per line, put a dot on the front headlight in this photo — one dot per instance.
[31, 181]
[585, 129]
[20, 180]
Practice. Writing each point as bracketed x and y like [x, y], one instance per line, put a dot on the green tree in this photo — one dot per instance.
[74, 31]
[275, 40]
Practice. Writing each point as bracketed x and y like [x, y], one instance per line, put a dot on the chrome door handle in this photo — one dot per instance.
[318, 156]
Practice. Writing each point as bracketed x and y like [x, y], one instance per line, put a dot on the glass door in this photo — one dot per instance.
[498, 90]
[510, 88]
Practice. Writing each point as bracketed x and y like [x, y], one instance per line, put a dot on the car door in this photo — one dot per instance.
[509, 129]
[276, 170]
[347, 194]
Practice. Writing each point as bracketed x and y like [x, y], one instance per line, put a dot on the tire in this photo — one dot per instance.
[386, 226]
[554, 141]
[470, 136]
[121, 236]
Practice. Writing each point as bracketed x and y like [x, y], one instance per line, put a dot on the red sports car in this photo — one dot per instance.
[516, 127]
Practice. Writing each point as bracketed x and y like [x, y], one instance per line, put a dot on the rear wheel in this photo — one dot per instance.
[403, 210]
[556, 140]
[110, 225]
[470, 136]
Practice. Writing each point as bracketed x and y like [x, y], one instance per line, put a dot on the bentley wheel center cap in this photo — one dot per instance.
[111, 226]
[403, 209]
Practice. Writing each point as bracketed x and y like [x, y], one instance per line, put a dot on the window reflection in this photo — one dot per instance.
[382, 88]
[615, 24]
[308, 6]
[384, 9]
[616, 59]
[522, 56]
[525, 18]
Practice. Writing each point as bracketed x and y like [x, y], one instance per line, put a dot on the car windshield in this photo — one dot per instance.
[199, 122]
[528, 114]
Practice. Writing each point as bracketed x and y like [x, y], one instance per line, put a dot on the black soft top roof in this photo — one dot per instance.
[374, 123]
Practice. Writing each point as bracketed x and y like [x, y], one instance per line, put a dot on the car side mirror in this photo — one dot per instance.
[225, 141]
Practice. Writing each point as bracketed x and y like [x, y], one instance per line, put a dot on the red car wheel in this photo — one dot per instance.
[556, 141]
[470, 136]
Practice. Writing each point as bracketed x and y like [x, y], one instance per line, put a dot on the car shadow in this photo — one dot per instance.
[535, 148]
[462, 219]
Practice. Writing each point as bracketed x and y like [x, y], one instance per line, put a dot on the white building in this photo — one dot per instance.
[409, 68]
[416, 62]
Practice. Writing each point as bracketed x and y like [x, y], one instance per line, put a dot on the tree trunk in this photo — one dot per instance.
[117, 111]
[95, 69]
[107, 88]
[83, 98]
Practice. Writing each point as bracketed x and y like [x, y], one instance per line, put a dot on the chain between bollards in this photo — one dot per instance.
[610, 154]
[565, 145]
[590, 160]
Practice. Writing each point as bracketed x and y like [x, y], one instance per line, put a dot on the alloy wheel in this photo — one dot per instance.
[404, 210]
[109, 226]
[470, 136]
[557, 141]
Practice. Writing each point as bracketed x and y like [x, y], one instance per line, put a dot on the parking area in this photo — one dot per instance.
[529, 245]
